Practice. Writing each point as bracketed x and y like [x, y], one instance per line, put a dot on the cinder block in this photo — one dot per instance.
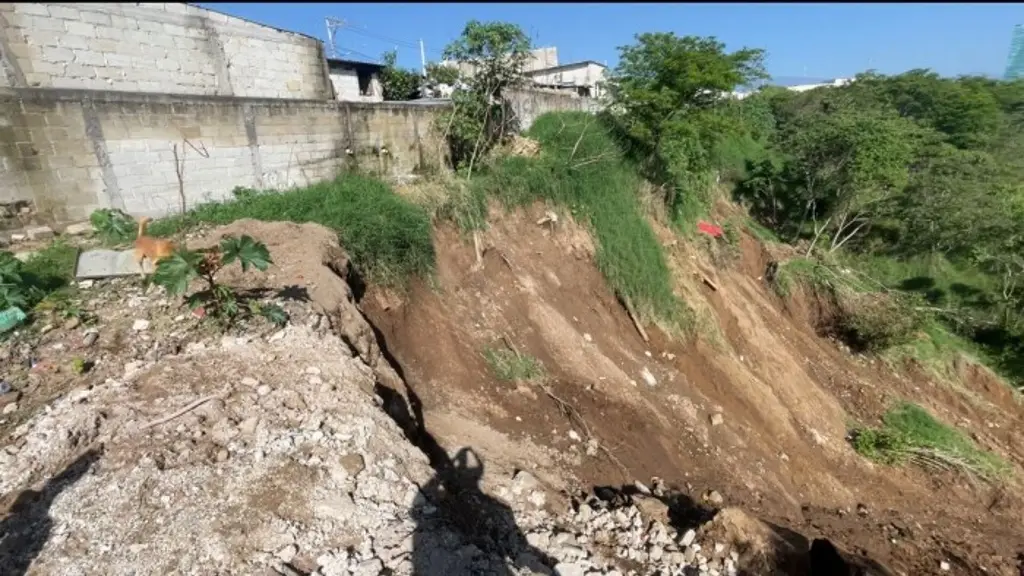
[51, 54]
[124, 23]
[113, 32]
[34, 9]
[150, 26]
[66, 12]
[91, 17]
[80, 28]
[38, 79]
[79, 71]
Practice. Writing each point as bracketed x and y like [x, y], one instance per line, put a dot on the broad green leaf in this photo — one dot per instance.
[248, 252]
[274, 313]
[176, 272]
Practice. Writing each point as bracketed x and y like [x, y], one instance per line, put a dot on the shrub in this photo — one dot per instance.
[388, 237]
[217, 300]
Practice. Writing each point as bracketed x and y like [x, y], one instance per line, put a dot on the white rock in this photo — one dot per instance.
[648, 377]
[574, 436]
[944, 566]
[287, 553]
[39, 233]
[140, 325]
[13, 406]
[570, 569]
[688, 537]
[78, 229]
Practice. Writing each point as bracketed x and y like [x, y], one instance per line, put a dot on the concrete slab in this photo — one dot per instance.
[102, 263]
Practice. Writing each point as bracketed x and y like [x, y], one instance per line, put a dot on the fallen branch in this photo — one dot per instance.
[511, 346]
[190, 407]
[570, 412]
[708, 281]
[636, 321]
[477, 251]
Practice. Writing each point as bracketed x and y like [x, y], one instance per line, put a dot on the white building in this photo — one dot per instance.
[585, 78]
[356, 81]
[832, 83]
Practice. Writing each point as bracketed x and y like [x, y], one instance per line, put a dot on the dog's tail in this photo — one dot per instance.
[142, 226]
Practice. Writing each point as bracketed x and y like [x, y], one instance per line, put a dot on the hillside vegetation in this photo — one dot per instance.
[913, 182]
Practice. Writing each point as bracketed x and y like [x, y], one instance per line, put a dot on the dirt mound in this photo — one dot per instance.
[761, 416]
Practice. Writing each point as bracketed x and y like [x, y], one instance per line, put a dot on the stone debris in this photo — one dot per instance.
[266, 452]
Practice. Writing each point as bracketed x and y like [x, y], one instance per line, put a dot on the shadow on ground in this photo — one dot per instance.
[459, 528]
[26, 528]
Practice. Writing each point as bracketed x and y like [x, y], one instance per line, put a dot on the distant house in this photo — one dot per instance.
[356, 81]
[585, 78]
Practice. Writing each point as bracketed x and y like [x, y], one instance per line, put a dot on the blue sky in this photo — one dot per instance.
[802, 40]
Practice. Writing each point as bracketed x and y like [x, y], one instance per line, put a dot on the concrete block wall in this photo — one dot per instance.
[346, 87]
[528, 104]
[69, 152]
[152, 47]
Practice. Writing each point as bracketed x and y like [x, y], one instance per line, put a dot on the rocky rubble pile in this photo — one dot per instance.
[290, 468]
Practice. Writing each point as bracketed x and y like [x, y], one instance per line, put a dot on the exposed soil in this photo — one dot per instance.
[786, 395]
[294, 460]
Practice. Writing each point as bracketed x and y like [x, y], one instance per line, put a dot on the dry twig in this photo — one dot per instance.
[188, 408]
[633, 317]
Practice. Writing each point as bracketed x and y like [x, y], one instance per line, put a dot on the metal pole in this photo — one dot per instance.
[423, 57]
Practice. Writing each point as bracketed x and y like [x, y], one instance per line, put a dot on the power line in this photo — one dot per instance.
[362, 30]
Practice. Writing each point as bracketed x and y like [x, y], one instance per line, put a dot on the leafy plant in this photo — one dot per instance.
[495, 53]
[398, 83]
[12, 289]
[910, 434]
[113, 226]
[217, 300]
[512, 367]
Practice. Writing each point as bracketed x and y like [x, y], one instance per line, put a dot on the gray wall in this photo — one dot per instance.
[69, 152]
[150, 47]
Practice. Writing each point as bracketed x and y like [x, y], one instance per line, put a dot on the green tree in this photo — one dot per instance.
[667, 94]
[398, 83]
[496, 52]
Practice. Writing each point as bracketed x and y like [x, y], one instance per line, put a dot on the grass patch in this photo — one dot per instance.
[762, 233]
[511, 367]
[910, 434]
[51, 268]
[582, 169]
[387, 236]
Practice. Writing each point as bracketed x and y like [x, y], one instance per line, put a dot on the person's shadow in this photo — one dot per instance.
[460, 530]
[26, 528]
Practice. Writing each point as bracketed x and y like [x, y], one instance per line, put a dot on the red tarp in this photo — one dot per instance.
[709, 229]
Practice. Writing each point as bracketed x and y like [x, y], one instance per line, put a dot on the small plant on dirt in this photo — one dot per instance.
[80, 365]
[511, 366]
[910, 434]
[113, 226]
[217, 300]
[13, 291]
[63, 304]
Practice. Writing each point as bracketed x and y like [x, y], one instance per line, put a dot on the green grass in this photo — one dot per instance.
[49, 269]
[762, 233]
[388, 237]
[582, 169]
[910, 434]
[511, 367]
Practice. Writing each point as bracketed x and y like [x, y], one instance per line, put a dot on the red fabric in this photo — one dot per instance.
[709, 229]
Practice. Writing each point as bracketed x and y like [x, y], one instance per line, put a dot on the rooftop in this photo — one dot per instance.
[565, 67]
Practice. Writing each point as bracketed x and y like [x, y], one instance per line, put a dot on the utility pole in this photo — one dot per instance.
[333, 24]
[423, 57]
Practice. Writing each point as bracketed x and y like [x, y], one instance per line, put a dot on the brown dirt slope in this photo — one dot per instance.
[785, 395]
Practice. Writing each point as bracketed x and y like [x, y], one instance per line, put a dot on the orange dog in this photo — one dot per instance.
[155, 249]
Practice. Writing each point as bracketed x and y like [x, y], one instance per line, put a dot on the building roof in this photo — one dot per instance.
[565, 67]
[342, 63]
